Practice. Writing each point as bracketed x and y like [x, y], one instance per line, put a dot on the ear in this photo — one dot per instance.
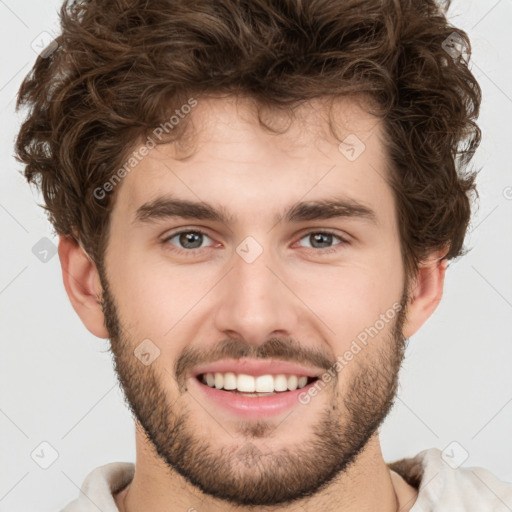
[82, 284]
[425, 292]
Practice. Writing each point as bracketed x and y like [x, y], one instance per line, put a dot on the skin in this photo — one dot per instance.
[200, 299]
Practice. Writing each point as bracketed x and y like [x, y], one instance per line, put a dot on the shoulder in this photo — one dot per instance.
[456, 489]
[99, 486]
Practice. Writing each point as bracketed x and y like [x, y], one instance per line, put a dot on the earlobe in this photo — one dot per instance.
[425, 293]
[82, 284]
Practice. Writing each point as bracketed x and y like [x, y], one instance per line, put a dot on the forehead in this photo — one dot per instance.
[240, 166]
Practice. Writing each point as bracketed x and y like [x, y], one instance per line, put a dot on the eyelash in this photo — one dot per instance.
[179, 250]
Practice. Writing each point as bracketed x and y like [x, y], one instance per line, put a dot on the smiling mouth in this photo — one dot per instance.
[254, 386]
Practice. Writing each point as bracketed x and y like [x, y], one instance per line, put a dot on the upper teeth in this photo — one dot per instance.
[249, 384]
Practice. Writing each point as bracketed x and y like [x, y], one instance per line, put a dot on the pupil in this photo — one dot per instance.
[186, 238]
[319, 237]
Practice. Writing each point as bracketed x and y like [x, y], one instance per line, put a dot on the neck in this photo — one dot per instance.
[367, 485]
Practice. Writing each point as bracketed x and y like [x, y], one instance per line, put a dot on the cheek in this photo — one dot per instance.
[351, 300]
[156, 298]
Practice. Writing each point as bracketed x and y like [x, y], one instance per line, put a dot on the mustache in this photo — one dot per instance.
[273, 348]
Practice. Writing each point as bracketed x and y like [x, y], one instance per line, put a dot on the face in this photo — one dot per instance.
[269, 265]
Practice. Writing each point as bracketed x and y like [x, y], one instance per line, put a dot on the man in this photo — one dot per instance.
[256, 203]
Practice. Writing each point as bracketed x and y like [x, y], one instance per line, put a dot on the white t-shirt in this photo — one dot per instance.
[440, 487]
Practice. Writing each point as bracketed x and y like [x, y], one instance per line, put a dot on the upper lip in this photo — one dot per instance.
[256, 367]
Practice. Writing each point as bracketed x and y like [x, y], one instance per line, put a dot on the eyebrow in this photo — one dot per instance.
[167, 207]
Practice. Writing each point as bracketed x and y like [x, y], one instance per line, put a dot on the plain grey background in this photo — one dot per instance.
[57, 381]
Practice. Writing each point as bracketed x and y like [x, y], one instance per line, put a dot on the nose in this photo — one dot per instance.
[255, 301]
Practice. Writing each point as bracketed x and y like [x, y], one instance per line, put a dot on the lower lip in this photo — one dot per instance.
[252, 407]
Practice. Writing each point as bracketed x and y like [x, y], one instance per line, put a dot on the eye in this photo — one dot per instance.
[322, 240]
[187, 240]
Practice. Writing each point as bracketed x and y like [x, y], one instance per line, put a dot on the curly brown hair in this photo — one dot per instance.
[120, 68]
